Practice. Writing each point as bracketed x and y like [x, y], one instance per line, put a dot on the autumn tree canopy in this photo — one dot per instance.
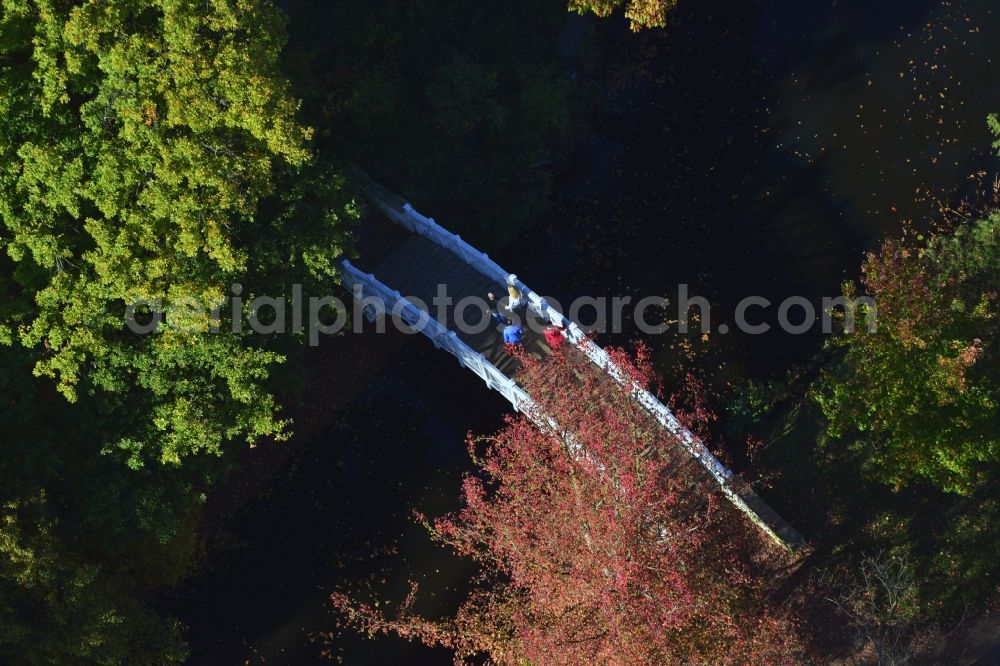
[600, 542]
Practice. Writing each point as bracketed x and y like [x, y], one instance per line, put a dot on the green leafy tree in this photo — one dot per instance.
[139, 139]
[994, 122]
[84, 541]
[919, 393]
[640, 13]
[149, 151]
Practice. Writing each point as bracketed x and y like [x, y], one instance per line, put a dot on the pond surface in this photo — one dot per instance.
[760, 151]
[752, 149]
[338, 511]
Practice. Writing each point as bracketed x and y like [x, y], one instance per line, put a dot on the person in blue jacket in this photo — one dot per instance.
[512, 333]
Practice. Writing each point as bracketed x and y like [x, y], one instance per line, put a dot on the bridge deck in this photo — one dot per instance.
[419, 265]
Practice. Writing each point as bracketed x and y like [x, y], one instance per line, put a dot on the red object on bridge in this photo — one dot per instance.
[554, 336]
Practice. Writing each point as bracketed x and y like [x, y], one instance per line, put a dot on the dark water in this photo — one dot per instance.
[339, 510]
[751, 149]
[760, 150]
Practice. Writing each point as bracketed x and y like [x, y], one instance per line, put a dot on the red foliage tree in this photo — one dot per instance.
[600, 541]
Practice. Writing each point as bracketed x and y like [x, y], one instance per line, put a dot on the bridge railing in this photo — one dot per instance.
[426, 226]
[366, 286]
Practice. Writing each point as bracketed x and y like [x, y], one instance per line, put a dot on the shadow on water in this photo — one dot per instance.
[340, 514]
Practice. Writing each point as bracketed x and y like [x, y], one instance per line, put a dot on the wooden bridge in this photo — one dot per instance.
[432, 263]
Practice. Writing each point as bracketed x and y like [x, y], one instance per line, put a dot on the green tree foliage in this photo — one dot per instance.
[83, 539]
[139, 139]
[920, 396]
[148, 151]
[640, 13]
